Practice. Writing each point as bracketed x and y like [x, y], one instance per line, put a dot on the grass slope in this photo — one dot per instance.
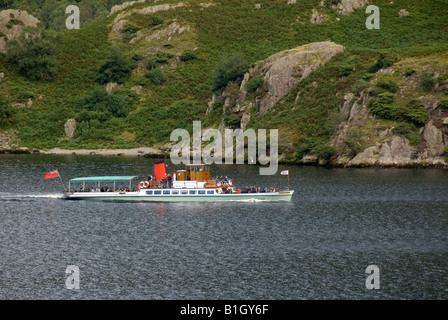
[227, 27]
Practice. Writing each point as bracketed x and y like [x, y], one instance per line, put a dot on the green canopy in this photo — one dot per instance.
[105, 178]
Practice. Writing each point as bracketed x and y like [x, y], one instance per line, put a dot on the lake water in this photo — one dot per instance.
[318, 246]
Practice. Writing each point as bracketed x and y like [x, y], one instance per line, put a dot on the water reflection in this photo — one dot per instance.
[315, 247]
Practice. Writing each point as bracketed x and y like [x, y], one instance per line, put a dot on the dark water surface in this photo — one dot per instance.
[318, 246]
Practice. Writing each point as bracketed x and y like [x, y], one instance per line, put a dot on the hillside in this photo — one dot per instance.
[137, 70]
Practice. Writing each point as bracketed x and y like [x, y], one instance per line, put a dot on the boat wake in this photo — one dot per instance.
[9, 196]
[247, 200]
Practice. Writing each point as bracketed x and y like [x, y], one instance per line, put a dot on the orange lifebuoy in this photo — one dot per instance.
[141, 185]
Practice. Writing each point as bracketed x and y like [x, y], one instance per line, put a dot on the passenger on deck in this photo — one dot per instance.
[170, 181]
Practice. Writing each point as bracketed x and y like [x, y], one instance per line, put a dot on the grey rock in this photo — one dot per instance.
[70, 128]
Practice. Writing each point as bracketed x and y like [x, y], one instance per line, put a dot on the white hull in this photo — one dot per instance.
[179, 195]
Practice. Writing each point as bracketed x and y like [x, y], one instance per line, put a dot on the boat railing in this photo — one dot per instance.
[212, 183]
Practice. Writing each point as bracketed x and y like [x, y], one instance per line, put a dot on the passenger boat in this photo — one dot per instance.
[191, 184]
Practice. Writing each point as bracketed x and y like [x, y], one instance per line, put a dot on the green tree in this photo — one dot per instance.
[116, 68]
[6, 4]
[101, 105]
[231, 68]
[156, 76]
[52, 14]
[33, 54]
[90, 10]
[427, 81]
[6, 110]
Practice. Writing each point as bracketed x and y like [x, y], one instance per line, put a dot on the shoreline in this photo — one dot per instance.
[142, 151]
[157, 153]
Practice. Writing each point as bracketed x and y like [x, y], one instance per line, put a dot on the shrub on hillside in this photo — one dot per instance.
[415, 112]
[255, 83]
[331, 3]
[101, 105]
[353, 142]
[384, 61]
[324, 152]
[6, 110]
[232, 120]
[409, 72]
[33, 54]
[384, 107]
[345, 70]
[445, 154]
[359, 86]
[129, 31]
[156, 76]
[427, 81]
[159, 57]
[403, 128]
[442, 79]
[231, 68]
[388, 85]
[115, 68]
[443, 104]
[187, 56]
[304, 147]
[155, 20]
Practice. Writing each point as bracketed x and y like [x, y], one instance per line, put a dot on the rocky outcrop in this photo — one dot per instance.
[346, 7]
[70, 128]
[394, 152]
[316, 17]
[147, 10]
[173, 28]
[11, 24]
[124, 5]
[386, 148]
[435, 140]
[353, 114]
[285, 69]
[403, 13]
[280, 73]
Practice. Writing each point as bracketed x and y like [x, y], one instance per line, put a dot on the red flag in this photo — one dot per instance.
[52, 174]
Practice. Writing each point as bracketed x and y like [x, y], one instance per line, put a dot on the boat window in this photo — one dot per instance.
[199, 168]
[184, 192]
[201, 192]
[166, 191]
[148, 191]
[175, 192]
[192, 168]
[157, 192]
[210, 191]
[192, 191]
[206, 168]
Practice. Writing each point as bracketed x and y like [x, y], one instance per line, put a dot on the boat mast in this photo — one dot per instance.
[59, 175]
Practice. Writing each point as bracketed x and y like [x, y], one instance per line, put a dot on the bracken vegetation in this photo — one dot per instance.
[165, 84]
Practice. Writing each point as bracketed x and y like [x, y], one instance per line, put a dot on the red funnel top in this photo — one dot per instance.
[159, 170]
